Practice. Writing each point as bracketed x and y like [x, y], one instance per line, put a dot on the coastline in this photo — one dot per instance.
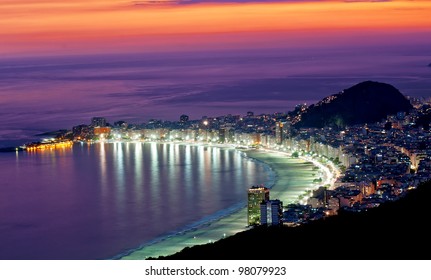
[293, 177]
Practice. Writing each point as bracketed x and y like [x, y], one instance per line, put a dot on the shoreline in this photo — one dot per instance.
[287, 178]
[208, 229]
[293, 177]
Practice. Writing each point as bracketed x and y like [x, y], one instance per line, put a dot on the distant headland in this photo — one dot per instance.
[366, 102]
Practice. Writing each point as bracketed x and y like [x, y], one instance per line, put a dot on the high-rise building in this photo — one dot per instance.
[286, 130]
[256, 195]
[279, 133]
[98, 121]
[230, 135]
[271, 213]
[222, 135]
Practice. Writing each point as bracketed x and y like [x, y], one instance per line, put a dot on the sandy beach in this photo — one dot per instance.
[293, 177]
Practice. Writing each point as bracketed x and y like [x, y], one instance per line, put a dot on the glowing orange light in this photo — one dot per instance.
[38, 25]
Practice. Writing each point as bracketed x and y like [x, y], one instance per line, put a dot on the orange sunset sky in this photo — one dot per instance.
[88, 26]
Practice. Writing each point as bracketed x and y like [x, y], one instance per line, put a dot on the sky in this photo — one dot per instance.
[63, 62]
[45, 27]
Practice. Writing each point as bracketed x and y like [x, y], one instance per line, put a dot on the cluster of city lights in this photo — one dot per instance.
[48, 145]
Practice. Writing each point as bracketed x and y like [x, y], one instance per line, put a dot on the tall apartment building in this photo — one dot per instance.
[271, 213]
[279, 133]
[256, 195]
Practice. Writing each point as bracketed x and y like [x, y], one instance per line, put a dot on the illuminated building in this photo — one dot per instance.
[256, 195]
[271, 213]
[279, 133]
[99, 131]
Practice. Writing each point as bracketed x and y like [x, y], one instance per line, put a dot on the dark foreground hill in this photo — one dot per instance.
[396, 230]
[366, 102]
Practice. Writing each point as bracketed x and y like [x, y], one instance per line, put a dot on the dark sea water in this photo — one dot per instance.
[96, 201]
[47, 94]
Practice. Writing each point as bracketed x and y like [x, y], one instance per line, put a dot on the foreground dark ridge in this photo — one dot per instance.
[399, 230]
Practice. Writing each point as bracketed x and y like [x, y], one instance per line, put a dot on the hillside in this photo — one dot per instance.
[366, 102]
[395, 230]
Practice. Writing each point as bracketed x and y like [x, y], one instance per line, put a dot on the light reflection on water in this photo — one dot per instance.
[95, 201]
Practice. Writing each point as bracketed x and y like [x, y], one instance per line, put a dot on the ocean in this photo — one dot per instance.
[50, 93]
[98, 201]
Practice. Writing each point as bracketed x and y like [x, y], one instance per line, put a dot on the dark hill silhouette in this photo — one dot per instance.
[397, 230]
[366, 102]
[424, 119]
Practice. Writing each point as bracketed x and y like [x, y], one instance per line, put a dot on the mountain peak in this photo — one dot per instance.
[366, 102]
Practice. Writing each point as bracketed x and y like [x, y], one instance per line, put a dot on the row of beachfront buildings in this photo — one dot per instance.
[379, 162]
